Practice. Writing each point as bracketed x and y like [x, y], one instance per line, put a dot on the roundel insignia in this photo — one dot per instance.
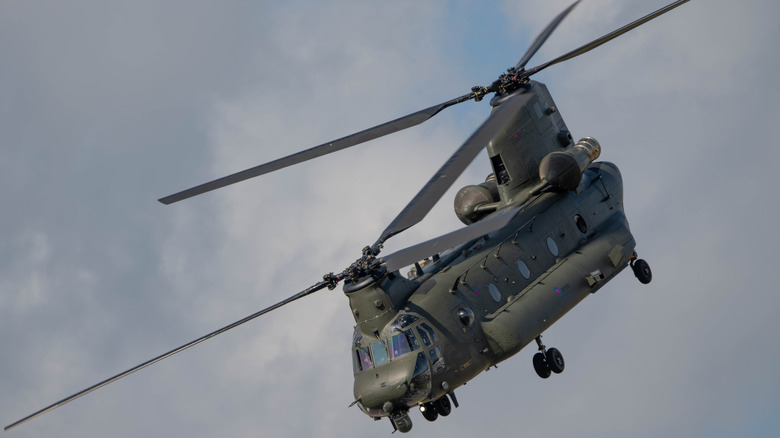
[476, 291]
[558, 290]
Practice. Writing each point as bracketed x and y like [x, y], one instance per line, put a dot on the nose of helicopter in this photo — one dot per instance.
[394, 386]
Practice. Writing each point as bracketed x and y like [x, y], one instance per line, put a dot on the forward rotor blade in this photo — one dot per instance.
[610, 36]
[543, 36]
[421, 204]
[412, 254]
[357, 138]
[301, 294]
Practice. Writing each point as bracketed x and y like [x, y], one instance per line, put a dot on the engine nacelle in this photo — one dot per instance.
[471, 200]
[563, 170]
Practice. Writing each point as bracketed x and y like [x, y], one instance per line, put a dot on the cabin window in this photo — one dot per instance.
[523, 268]
[552, 246]
[494, 292]
[379, 351]
[362, 360]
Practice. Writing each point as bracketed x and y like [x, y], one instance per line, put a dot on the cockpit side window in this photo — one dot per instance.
[399, 346]
[430, 332]
[424, 336]
[403, 343]
[437, 359]
[362, 360]
[412, 340]
[379, 351]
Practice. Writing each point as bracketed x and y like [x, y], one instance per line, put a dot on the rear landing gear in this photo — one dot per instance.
[547, 361]
[540, 366]
[555, 360]
[641, 270]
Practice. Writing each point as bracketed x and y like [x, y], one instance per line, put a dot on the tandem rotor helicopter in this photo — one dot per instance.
[544, 231]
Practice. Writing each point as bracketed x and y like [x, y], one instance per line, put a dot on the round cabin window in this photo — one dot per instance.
[494, 292]
[523, 268]
[552, 246]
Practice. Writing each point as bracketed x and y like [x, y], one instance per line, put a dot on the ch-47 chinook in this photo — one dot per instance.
[543, 232]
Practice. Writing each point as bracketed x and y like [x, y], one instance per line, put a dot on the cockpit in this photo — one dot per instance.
[402, 342]
[393, 371]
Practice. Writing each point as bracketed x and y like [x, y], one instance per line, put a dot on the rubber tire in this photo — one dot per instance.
[540, 366]
[430, 412]
[443, 406]
[555, 360]
[642, 271]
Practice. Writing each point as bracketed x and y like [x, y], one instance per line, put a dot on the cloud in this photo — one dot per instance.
[105, 106]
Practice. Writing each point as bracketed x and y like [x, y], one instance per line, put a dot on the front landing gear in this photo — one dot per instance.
[441, 406]
[641, 270]
[547, 361]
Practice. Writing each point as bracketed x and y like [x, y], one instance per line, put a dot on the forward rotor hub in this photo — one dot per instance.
[366, 265]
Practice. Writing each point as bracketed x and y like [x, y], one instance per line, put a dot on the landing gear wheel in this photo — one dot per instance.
[443, 406]
[429, 411]
[555, 360]
[642, 271]
[540, 366]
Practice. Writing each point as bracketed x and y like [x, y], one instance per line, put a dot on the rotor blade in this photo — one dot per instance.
[301, 294]
[412, 254]
[595, 43]
[543, 37]
[357, 138]
[421, 204]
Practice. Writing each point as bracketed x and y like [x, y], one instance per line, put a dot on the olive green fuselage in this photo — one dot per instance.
[474, 306]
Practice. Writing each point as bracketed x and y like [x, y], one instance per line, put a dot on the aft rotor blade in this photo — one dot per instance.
[357, 138]
[421, 204]
[412, 254]
[301, 294]
[610, 36]
[543, 37]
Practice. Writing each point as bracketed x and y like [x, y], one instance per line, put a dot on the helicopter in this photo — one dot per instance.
[546, 230]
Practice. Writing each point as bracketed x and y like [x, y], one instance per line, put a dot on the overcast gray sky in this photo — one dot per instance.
[106, 106]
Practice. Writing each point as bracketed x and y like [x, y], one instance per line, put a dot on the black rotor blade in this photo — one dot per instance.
[301, 294]
[610, 36]
[414, 253]
[357, 138]
[421, 204]
[543, 36]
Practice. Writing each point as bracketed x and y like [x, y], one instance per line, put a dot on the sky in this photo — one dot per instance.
[106, 106]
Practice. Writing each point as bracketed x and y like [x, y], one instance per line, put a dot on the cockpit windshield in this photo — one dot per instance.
[380, 352]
